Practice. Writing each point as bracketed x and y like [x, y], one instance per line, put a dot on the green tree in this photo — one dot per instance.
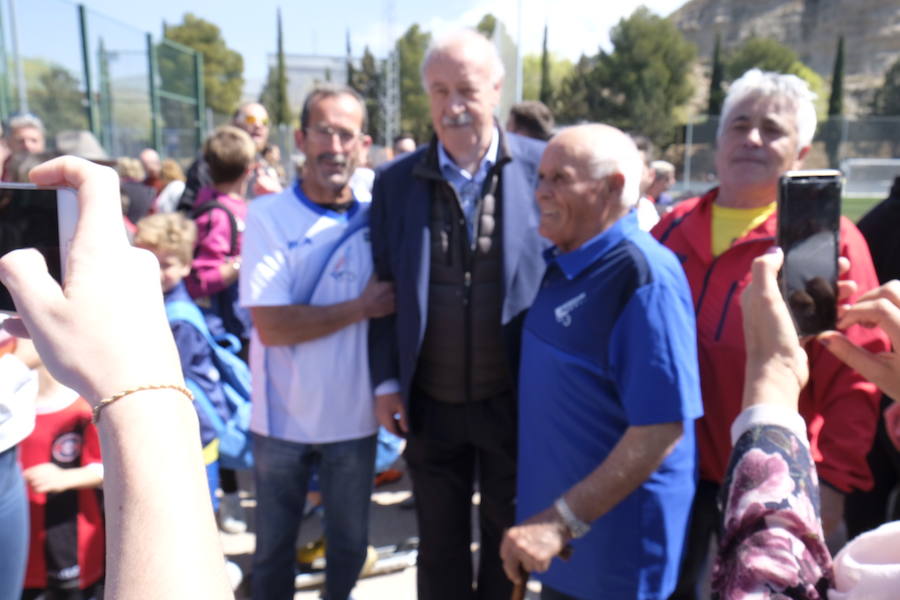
[487, 25]
[560, 69]
[546, 95]
[368, 81]
[415, 115]
[761, 53]
[274, 95]
[887, 98]
[223, 68]
[716, 93]
[645, 79]
[574, 100]
[836, 98]
[54, 94]
[770, 55]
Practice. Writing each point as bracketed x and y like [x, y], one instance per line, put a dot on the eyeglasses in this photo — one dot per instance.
[254, 120]
[325, 132]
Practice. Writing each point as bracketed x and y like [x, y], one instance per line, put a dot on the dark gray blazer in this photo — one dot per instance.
[401, 203]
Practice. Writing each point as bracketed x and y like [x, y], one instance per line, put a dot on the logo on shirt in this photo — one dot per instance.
[67, 447]
[563, 312]
[341, 271]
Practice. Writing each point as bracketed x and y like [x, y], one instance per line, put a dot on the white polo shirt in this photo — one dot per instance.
[297, 252]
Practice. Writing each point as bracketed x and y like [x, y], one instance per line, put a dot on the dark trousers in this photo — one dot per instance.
[449, 446]
[867, 510]
[704, 524]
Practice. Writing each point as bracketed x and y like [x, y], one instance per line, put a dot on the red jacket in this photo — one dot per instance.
[840, 407]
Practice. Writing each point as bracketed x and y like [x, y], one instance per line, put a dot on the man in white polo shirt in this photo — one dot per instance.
[306, 279]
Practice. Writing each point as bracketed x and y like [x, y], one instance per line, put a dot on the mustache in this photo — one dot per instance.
[459, 120]
[334, 157]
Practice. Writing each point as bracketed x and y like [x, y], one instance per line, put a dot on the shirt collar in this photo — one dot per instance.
[322, 210]
[573, 263]
[490, 157]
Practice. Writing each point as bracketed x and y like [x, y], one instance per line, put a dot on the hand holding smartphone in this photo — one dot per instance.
[809, 212]
[36, 217]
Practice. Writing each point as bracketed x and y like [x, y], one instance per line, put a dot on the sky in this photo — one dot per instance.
[575, 26]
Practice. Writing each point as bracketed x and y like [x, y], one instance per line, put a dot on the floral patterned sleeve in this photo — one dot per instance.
[771, 544]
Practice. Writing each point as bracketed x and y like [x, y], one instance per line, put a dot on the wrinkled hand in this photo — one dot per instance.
[391, 414]
[876, 308]
[777, 367]
[46, 478]
[531, 546]
[105, 329]
[265, 183]
[377, 298]
[892, 423]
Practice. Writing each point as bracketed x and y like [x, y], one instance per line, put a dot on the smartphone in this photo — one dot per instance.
[36, 217]
[809, 213]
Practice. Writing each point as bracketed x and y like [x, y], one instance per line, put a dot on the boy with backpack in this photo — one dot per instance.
[219, 212]
[218, 378]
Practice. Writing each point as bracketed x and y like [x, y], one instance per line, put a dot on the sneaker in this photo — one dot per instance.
[388, 476]
[231, 514]
[311, 551]
[371, 560]
[235, 575]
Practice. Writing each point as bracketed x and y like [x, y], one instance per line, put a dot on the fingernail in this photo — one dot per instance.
[773, 250]
[825, 341]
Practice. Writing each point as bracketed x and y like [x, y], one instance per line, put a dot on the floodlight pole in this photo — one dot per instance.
[17, 59]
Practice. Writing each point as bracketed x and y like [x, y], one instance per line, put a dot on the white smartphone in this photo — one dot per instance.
[37, 217]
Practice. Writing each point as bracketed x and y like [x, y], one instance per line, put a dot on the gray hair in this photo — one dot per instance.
[618, 154]
[469, 38]
[662, 167]
[766, 84]
[26, 120]
[330, 90]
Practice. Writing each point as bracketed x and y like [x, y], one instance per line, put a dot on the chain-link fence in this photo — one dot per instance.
[77, 69]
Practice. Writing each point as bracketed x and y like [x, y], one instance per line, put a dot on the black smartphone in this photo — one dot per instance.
[36, 217]
[809, 213]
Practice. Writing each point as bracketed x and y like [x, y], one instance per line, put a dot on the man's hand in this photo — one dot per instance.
[531, 546]
[47, 478]
[377, 298]
[876, 308]
[391, 413]
[892, 423]
[265, 183]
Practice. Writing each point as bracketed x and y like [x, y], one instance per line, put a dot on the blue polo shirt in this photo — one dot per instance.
[610, 342]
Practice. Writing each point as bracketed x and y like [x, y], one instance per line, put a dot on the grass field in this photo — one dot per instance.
[854, 208]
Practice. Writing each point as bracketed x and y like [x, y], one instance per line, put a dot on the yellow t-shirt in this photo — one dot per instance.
[730, 224]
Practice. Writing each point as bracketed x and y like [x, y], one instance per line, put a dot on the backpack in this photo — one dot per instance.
[235, 442]
[213, 205]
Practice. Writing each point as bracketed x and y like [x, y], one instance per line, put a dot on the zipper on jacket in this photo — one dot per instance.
[728, 296]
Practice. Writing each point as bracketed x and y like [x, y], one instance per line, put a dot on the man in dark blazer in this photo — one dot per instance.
[454, 226]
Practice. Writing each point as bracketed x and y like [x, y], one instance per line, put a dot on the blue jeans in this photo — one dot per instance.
[14, 528]
[282, 470]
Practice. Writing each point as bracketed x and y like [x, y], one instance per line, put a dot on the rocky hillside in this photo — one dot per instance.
[871, 30]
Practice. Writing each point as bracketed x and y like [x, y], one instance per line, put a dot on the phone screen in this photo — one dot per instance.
[29, 219]
[809, 211]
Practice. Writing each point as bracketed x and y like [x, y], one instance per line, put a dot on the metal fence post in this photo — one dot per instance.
[91, 106]
[688, 143]
[201, 100]
[155, 132]
[4, 73]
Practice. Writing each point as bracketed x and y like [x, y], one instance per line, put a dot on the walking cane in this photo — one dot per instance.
[518, 592]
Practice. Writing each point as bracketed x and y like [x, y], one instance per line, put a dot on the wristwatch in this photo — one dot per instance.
[577, 528]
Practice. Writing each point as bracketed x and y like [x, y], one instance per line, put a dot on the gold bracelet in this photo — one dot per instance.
[159, 386]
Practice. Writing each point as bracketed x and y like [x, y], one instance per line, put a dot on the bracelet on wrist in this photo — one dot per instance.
[143, 388]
